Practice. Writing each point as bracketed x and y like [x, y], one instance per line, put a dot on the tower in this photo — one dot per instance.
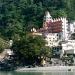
[56, 25]
[47, 19]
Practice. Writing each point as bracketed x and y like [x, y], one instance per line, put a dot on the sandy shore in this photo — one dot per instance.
[47, 69]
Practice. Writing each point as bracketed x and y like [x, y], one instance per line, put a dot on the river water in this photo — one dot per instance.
[37, 73]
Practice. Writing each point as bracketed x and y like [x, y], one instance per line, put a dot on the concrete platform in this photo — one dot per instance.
[47, 69]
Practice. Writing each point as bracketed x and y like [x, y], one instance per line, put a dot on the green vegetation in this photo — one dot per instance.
[3, 44]
[30, 49]
[16, 15]
[68, 59]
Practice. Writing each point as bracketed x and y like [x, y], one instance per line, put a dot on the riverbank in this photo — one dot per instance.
[47, 69]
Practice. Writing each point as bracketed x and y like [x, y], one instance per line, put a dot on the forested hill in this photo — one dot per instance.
[16, 15]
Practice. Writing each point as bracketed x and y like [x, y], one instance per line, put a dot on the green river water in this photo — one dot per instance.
[37, 73]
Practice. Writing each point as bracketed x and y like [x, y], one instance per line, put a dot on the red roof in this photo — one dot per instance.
[52, 27]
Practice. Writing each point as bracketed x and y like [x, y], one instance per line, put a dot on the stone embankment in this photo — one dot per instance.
[47, 69]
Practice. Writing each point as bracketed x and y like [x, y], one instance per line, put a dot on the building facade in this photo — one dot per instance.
[52, 39]
[58, 25]
[68, 47]
[72, 27]
[57, 33]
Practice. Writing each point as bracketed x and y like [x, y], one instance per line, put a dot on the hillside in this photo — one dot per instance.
[18, 16]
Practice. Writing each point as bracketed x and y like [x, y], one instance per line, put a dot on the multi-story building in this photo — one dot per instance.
[52, 39]
[59, 25]
[55, 31]
[68, 47]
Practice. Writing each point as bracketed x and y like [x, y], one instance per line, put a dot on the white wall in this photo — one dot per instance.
[51, 39]
[65, 27]
[68, 46]
[72, 27]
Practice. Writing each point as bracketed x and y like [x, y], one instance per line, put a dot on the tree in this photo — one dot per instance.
[30, 48]
[3, 44]
[15, 15]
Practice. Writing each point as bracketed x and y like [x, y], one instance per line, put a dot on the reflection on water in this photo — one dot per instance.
[37, 73]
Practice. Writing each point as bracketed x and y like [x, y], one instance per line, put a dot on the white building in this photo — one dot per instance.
[52, 39]
[72, 27]
[64, 25]
[68, 47]
[65, 29]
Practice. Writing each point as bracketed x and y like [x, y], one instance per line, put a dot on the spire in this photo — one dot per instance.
[47, 17]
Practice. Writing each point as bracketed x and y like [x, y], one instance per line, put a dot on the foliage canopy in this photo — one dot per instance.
[16, 15]
[31, 48]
